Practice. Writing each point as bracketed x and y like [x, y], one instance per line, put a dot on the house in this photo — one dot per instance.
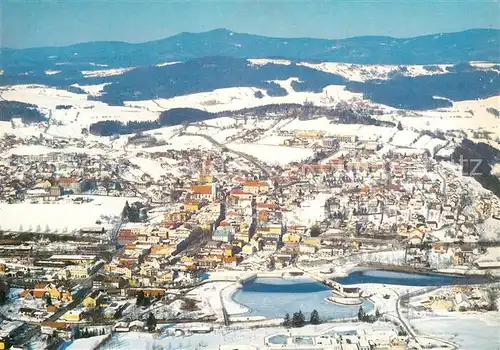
[312, 241]
[181, 216]
[229, 250]
[92, 300]
[51, 308]
[291, 238]
[192, 206]
[71, 184]
[40, 292]
[73, 315]
[256, 187]
[241, 194]
[136, 325]
[330, 142]
[223, 234]
[204, 192]
[307, 249]
[345, 138]
[248, 249]
[126, 236]
[309, 134]
[165, 249]
[74, 272]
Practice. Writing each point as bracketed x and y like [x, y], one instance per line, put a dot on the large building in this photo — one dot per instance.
[204, 192]
[256, 187]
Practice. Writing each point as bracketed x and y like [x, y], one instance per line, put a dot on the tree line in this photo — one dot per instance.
[298, 319]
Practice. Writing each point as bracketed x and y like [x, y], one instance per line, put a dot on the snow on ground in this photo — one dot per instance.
[422, 141]
[5, 127]
[236, 98]
[463, 115]
[24, 150]
[210, 296]
[52, 72]
[495, 169]
[361, 72]
[222, 122]
[83, 113]
[87, 343]
[62, 216]
[252, 338]
[167, 63]
[471, 331]
[149, 166]
[209, 303]
[264, 61]
[318, 124]
[489, 230]
[94, 90]
[310, 211]
[273, 155]
[426, 142]
[105, 72]
[273, 140]
[485, 65]
[372, 132]
[434, 145]
[187, 142]
[404, 138]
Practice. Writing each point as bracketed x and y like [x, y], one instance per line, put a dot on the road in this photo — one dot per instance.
[409, 330]
[438, 170]
[249, 158]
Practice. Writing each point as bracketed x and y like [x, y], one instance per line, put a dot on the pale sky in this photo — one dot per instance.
[30, 23]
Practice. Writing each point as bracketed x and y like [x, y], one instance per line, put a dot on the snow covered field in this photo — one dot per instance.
[83, 113]
[310, 211]
[24, 150]
[63, 216]
[252, 338]
[360, 72]
[149, 167]
[235, 98]
[87, 343]
[274, 155]
[463, 115]
[469, 331]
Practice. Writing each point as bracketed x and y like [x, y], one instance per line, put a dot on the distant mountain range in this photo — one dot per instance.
[452, 48]
[219, 59]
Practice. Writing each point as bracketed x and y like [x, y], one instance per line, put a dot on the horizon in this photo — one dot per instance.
[42, 23]
[245, 33]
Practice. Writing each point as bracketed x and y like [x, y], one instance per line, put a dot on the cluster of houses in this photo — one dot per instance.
[459, 298]
[356, 340]
[38, 172]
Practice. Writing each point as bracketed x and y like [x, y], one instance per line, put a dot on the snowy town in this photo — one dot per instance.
[249, 175]
[185, 237]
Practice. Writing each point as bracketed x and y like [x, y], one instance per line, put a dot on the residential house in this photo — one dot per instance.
[192, 205]
[256, 187]
[73, 315]
[92, 300]
[223, 233]
[73, 184]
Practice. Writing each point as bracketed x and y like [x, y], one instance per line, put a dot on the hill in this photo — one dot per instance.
[470, 45]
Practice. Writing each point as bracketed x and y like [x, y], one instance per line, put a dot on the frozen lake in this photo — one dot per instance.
[274, 297]
[407, 278]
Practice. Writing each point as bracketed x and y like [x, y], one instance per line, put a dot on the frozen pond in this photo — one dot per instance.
[407, 278]
[274, 297]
